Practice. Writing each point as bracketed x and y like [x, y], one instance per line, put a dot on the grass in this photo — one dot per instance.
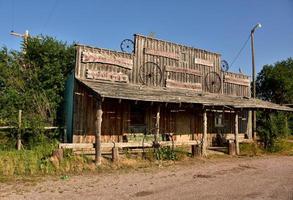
[283, 147]
[280, 147]
[38, 161]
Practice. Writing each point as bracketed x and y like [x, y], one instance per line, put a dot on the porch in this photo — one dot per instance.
[120, 115]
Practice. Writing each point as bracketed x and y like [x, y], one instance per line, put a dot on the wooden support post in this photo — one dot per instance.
[98, 156]
[254, 125]
[195, 150]
[231, 147]
[19, 130]
[157, 124]
[115, 154]
[205, 134]
[236, 134]
[249, 125]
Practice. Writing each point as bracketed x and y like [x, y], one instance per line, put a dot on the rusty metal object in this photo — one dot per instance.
[150, 74]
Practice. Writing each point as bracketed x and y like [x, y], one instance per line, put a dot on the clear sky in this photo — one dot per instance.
[221, 26]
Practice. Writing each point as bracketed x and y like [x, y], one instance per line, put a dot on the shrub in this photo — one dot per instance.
[271, 128]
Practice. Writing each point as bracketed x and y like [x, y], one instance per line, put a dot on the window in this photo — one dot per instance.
[137, 119]
[137, 115]
[219, 121]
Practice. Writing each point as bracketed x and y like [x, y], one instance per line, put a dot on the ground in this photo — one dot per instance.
[268, 177]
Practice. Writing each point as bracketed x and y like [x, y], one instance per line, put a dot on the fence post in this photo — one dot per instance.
[19, 130]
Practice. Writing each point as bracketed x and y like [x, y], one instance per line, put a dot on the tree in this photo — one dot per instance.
[47, 61]
[275, 83]
[34, 80]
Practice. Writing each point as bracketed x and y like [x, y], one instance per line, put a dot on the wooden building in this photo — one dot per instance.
[161, 89]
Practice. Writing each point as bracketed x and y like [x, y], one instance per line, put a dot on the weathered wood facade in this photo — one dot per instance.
[161, 87]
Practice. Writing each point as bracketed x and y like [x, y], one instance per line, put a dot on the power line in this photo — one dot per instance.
[50, 15]
[238, 54]
[13, 15]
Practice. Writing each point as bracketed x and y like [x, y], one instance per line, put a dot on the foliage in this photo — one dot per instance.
[33, 80]
[165, 153]
[249, 149]
[47, 61]
[271, 128]
[39, 160]
[274, 83]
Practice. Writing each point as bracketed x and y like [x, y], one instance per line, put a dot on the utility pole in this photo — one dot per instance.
[25, 36]
[253, 78]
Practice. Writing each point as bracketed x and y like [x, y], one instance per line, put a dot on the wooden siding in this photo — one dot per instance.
[101, 60]
[182, 66]
[178, 63]
[185, 121]
[236, 84]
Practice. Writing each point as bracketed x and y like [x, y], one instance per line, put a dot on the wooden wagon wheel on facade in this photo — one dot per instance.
[224, 66]
[127, 46]
[150, 74]
[213, 82]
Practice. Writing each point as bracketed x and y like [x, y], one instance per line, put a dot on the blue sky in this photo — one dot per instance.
[217, 25]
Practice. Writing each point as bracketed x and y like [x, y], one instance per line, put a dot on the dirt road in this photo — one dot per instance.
[232, 178]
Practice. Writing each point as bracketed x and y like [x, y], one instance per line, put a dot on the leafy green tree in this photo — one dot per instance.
[12, 87]
[46, 62]
[275, 83]
[33, 80]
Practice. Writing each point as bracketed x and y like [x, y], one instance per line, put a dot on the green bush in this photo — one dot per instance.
[271, 128]
[250, 149]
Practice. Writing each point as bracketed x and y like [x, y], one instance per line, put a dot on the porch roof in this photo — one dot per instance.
[170, 95]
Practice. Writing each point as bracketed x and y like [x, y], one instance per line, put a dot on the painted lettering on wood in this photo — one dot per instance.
[175, 84]
[236, 80]
[165, 54]
[183, 70]
[203, 62]
[108, 59]
[108, 76]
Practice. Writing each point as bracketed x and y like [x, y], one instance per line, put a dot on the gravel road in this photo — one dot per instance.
[269, 177]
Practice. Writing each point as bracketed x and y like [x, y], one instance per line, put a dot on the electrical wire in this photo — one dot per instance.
[12, 15]
[50, 15]
[240, 51]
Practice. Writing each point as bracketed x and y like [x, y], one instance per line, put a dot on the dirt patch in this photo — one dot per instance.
[229, 178]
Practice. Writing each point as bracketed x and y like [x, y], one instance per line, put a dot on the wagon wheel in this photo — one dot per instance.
[150, 74]
[127, 46]
[213, 82]
[224, 65]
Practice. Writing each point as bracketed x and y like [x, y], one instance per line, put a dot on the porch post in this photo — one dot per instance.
[249, 125]
[236, 134]
[205, 134]
[98, 124]
[157, 123]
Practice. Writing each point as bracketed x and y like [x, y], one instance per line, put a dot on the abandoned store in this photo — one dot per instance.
[161, 91]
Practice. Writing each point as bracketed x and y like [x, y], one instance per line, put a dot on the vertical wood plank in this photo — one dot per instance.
[19, 130]
[236, 134]
[205, 134]
[98, 156]
[157, 123]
